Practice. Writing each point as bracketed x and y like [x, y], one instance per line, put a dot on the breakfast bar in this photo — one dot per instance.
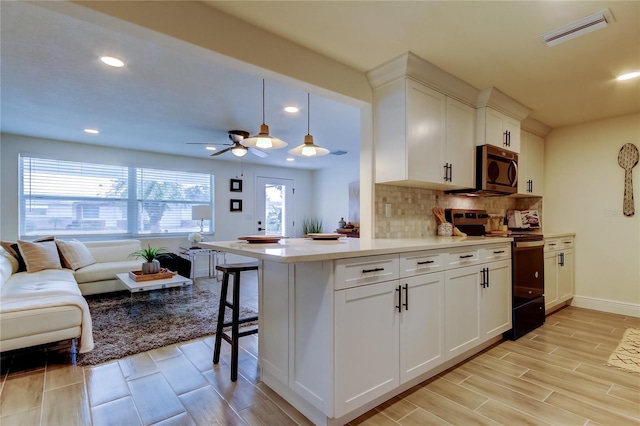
[347, 324]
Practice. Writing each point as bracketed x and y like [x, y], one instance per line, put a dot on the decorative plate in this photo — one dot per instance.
[264, 239]
[316, 236]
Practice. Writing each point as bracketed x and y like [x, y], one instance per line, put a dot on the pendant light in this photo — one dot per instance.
[263, 140]
[308, 148]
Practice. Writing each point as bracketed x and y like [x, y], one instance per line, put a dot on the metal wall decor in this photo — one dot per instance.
[627, 159]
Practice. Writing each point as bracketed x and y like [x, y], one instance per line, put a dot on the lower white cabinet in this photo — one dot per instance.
[559, 270]
[386, 335]
[477, 305]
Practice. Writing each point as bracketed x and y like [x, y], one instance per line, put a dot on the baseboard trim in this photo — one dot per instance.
[611, 306]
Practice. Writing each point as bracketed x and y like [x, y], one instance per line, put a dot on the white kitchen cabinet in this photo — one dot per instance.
[531, 165]
[559, 270]
[497, 129]
[462, 310]
[495, 299]
[422, 137]
[367, 344]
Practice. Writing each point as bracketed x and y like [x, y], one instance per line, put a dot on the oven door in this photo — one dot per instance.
[528, 271]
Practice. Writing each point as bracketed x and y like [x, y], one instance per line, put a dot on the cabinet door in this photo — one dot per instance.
[494, 134]
[460, 144]
[462, 310]
[425, 133]
[523, 169]
[421, 325]
[565, 276]
[495, 299]
[367, 344]
[550, 279]
[535, 164]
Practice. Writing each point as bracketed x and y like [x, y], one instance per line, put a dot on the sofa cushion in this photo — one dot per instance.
[105, 270]
[75, 254]
[112, 251]
[40, 256]
[11, 247]
[37, 284]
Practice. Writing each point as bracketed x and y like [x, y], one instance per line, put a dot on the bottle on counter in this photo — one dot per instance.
[342, 223]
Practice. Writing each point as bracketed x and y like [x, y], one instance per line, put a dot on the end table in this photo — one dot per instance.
[192, 252]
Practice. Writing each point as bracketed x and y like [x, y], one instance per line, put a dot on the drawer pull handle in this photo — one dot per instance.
[426, 262]
[498, 252]
[552, 244]
[364, 271]
[466, 256]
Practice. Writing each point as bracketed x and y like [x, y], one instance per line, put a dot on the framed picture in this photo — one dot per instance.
[235, 185]
[235, 205]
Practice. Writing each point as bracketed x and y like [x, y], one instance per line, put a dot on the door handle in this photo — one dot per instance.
[364, 271]
[466, 256]
[399, 305]
[426, 262]
[262, 229]
[406, 297]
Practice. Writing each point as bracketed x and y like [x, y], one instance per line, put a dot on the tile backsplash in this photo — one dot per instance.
[411, 215]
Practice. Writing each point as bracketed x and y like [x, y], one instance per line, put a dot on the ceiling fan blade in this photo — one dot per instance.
[258, 153]
[209, 143]
[221, 152]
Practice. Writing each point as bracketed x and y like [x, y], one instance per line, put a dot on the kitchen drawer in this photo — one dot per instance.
[421, 262]
[463, 257]
[366, 270]
[565, 243]
[551, 245]
[497, 252]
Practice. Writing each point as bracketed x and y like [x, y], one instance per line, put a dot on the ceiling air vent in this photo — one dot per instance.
[578, 28]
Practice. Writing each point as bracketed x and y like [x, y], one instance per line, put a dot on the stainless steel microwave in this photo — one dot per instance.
[496, 170]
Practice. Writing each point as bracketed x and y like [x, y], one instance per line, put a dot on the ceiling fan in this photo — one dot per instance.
[236, 147]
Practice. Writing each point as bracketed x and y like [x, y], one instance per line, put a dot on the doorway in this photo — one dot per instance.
[274, 206]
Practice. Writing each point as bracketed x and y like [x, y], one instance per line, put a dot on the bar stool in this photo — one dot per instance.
[227, 270]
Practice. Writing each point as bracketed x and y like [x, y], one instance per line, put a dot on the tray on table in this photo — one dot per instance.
[139, 276]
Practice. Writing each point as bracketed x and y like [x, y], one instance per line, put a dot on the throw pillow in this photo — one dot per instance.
[75, 254]
[13, 250]
[40, 256]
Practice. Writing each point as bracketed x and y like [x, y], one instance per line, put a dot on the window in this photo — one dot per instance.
[72, 198]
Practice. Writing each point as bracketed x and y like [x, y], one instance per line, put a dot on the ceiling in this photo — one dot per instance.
[53, 86]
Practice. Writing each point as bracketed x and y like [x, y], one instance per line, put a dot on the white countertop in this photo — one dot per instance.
[306, 250]
[558, 235]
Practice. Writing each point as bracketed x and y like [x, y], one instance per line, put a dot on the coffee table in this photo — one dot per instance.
[139, 286]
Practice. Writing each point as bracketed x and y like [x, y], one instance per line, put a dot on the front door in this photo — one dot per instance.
[274, 206]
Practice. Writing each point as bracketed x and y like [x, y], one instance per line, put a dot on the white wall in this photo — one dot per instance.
[228, 225]
[583, 193]
[331, 194]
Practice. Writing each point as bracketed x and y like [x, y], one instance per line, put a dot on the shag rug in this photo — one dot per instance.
[125, 325]
[627, 354]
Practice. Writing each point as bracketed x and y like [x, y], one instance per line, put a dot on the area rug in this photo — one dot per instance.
[627, 355]
[125, 325]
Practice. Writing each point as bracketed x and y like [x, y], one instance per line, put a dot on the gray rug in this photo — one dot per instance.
[125, 326]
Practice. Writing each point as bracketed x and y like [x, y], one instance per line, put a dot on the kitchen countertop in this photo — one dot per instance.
[291, 250]
[558, 235]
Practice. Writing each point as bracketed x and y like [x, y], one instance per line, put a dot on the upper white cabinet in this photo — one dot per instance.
[531, 164]
[422, 137]
[497, 129]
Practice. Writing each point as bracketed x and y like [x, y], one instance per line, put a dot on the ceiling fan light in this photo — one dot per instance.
[239, 151]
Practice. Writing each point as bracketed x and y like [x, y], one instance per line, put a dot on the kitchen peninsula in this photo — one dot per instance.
[347, 324]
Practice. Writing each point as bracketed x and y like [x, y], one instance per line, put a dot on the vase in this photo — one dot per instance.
[152, 267]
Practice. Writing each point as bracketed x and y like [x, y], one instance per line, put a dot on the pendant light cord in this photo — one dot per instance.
[263, 101]
[308, 113]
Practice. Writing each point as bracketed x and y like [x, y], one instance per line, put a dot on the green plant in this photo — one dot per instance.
[311, 225]
[149, 253]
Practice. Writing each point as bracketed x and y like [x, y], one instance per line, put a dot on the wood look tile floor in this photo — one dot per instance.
[555, 375]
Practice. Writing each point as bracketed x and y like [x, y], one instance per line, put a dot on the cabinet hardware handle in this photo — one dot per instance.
[498, 252]
[488, 283]
[446, 172]
[399, 305]
[426, 262]
[450, 172]
[552, 244]
[561, 259]
[466, 256]
[406, 297]
[364, 271]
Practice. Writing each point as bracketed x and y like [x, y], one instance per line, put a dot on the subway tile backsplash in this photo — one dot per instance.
[411, 215]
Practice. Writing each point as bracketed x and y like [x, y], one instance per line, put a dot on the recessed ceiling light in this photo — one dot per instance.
[291, 109]
[92, 131]
[629, 75]
[291, 159]
[211, 148]
[112, 62]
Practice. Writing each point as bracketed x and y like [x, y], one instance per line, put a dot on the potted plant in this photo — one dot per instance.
[311, 225]
[150, 254]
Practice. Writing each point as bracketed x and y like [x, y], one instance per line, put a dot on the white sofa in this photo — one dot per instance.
[48, 305]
